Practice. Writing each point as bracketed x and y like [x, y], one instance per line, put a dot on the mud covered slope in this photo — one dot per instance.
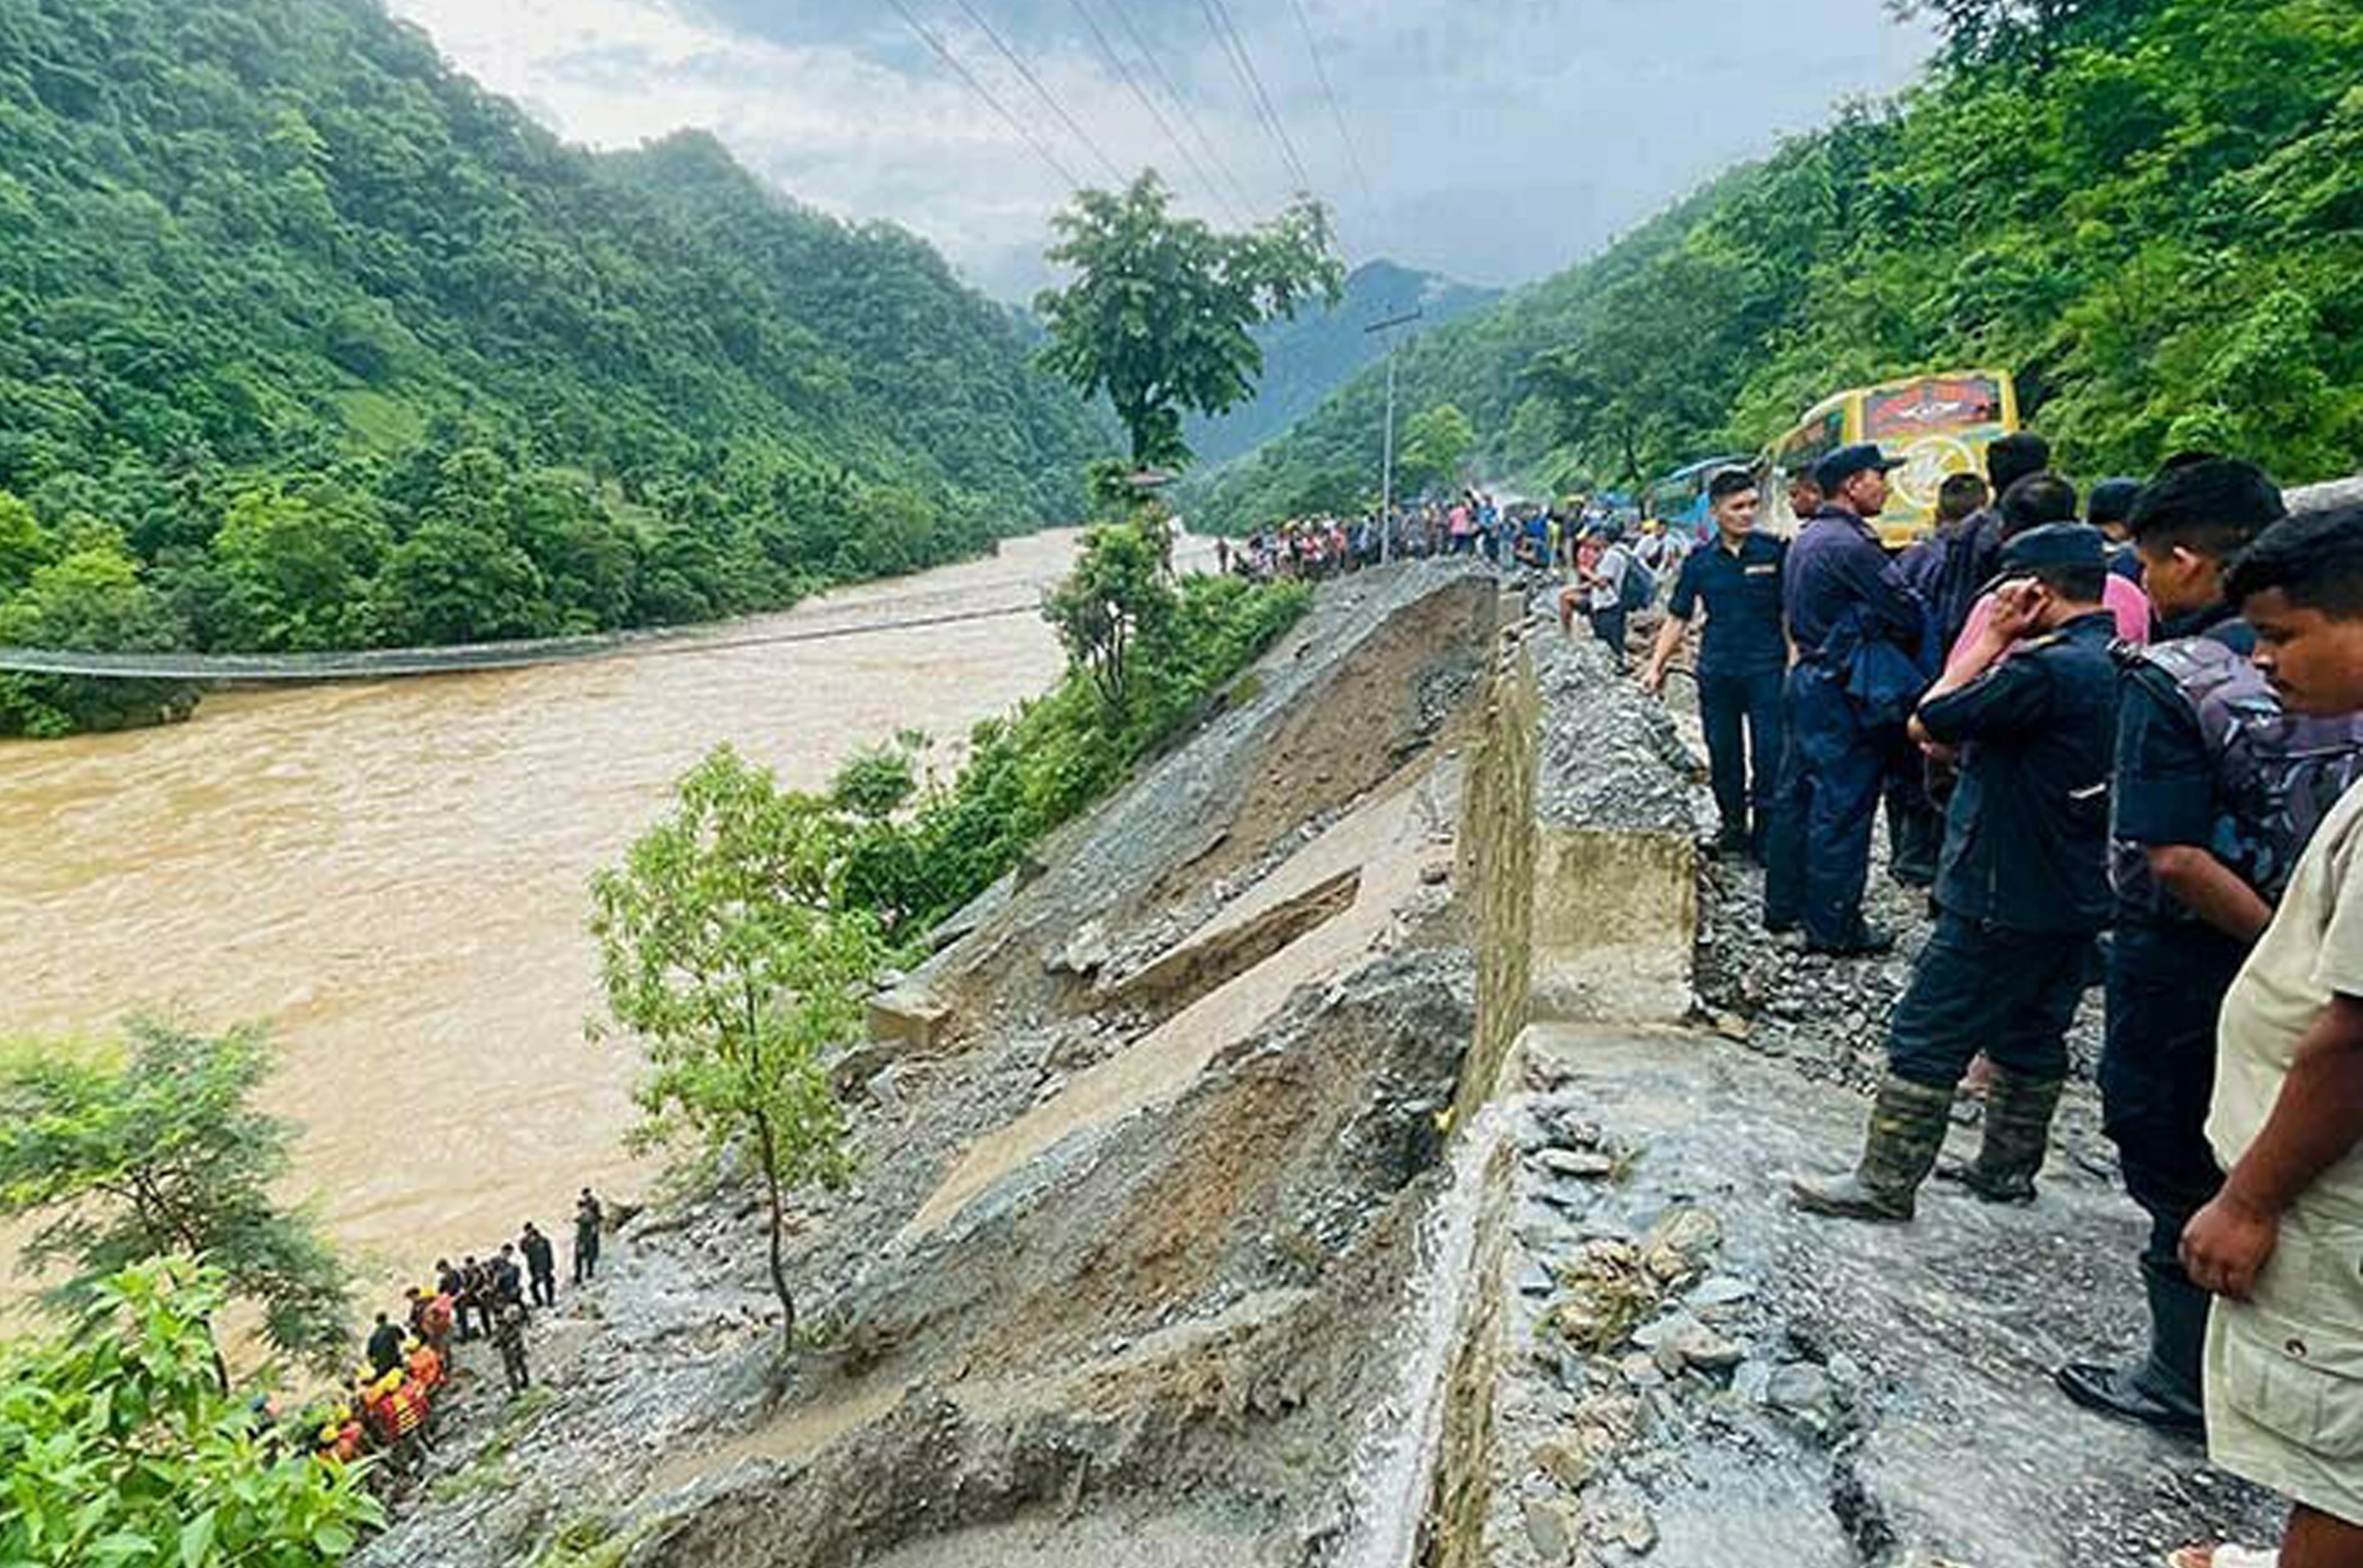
[1134, 1210]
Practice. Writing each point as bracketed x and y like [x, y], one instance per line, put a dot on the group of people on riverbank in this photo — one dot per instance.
[388, 1407]
[2114, 742]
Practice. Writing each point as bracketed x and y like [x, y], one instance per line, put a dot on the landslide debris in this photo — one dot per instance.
[1120, 1257]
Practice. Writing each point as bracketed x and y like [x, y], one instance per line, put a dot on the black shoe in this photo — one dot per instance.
[2117, 1392]
[1869, 942]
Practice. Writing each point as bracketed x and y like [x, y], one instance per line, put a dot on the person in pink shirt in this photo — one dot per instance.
[2030, 502]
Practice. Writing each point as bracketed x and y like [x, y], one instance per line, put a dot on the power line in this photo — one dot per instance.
[1123, 74]
[1226, 33]
[1189, 118]
[1336, 113]
[1041, 148]
[1026, 71]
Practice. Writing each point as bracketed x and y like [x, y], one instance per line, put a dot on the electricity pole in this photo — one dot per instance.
[1387, 463]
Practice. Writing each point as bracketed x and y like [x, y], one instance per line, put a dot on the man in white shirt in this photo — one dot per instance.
[2281, 1246]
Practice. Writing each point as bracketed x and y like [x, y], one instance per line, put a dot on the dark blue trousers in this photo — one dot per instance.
[2158, 1074]
[1609, 626]
[1819, 857]
[1741, 713]
[1978, 987]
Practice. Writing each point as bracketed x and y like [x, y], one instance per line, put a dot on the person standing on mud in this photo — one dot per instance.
[2023, 892]
[384, 1346]
[1743, 658]
[587, 1220]
[2207, 764]
[508, 1338]
[541, 1265]
[2280, 1246]
[1843, 604]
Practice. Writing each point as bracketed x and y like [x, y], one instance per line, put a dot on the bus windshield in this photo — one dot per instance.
[1933, 404]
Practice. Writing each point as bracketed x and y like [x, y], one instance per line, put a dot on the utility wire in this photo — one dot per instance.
[1123, 74]
[1189, 118]
[1218, 16]
[1336, 113]
[1026, 71]
[1041, 148]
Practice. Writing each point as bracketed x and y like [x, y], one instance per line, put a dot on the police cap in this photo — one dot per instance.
[2053, 547]
[1848, 461]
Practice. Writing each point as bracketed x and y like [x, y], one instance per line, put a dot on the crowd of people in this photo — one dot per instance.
[1529, 536]
[388, 1408]
[2113, 737]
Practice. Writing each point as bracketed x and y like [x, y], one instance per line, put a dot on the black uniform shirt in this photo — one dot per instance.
[2027, 836]
[1741, 590]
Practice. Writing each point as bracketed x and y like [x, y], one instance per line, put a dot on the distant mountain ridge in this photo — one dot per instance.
[1308, 359]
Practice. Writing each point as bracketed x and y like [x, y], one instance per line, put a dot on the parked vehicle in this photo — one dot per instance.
[1939, 424]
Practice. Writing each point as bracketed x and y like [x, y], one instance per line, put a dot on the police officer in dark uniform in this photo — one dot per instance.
[1844, 601]
[1743, 657]
[2022, 892]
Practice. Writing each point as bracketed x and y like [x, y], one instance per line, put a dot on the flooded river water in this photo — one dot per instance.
[392, 876]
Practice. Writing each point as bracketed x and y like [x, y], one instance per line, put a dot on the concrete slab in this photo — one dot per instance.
[1866, 1394]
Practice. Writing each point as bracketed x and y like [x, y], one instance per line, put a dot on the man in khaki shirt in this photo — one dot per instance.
[2282, 1247]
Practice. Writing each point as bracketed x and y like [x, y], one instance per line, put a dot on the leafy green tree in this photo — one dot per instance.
[1159, 316]
[1989, 31]
[24, 545]
[1436, 445]
[452, 583]
[292, 573]
[724, 952]
[155, 1150]
[122, 1451]
[877, 782]
[1117, 597]
[89, 600]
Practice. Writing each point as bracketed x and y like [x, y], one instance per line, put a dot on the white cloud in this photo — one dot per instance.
[1502, 140]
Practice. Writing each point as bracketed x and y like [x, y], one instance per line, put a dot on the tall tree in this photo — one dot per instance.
[1161, 314]
[723, 950]
[155, 1149]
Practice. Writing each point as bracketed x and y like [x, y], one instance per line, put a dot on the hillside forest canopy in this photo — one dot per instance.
[307, 342]
[2150, 210]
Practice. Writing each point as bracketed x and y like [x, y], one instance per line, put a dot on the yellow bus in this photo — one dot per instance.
[1939, 424]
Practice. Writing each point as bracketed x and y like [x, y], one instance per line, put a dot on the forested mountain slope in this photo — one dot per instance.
[2151, 209]
[1306, 358]
[307, 341]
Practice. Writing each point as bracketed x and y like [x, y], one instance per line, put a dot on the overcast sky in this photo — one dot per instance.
[1500, 139]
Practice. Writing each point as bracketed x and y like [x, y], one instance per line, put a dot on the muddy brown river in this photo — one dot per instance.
[392, 876]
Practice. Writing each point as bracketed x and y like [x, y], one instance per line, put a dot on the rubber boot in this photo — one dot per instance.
[1908, 1122]
[2163, 1391]
[2018, 1136]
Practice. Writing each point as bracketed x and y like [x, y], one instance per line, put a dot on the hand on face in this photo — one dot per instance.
[2019, 608]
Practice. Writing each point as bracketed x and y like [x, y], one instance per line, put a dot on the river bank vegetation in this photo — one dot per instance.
[123, 1449]
[307, 342]
[2152, 210]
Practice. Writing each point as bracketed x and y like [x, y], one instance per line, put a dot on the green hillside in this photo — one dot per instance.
[2152, 209]
[307, 341]
[1307, 358]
